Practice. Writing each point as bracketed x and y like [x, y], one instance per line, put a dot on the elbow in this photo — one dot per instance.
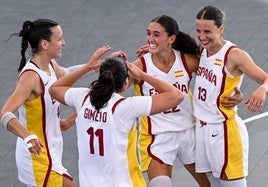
[50, 91]
[179, 97]
[57, 93]
[175, 99]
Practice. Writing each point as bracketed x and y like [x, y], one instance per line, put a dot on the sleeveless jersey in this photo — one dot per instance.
[41, 117]
[213, 81]
[176, 119]
[107, 140]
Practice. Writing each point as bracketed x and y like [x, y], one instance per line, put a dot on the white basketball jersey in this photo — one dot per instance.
[41, 117]
[107, 140]
[180, 117]
[212, 82]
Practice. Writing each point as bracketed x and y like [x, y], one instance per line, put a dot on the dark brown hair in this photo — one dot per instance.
[112, 75]
[184, 42]
[211, 13]
[32, 33]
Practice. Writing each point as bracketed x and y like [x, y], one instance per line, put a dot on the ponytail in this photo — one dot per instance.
[32, 33]
[113, 74]
[185, 43]
[24, 34]
[102, 90]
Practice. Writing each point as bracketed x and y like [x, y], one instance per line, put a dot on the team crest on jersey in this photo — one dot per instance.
[178, 73]
[218, 62]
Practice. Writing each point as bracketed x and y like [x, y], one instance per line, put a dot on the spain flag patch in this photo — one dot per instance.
[217, 62]
[178, 73]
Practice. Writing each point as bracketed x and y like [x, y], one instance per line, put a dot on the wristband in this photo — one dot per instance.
[6, 118]
[28, 138]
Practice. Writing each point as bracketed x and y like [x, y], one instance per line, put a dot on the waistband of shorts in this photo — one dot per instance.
[203, 123]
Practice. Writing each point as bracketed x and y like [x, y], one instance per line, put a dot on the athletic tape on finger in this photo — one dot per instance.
[29, 145]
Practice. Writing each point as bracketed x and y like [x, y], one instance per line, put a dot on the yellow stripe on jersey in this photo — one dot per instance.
[145, 139]
[190, 93]
[133, 164]
[218, 62]
[34, 118]
[230, 84]
[178, 73]
[137, 90]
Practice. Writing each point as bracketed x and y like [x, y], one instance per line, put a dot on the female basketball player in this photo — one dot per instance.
[39, 144]
[221, 136]
[169, 135]
[106, 121]
[164, 41]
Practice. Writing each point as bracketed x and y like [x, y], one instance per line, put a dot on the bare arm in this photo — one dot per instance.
[131, 79]
[168, 96]
[59, 88]
[68, 122]
[61, 71]
[243, 63]
[142, 50]
[192, 62]
[28, 87]
[230, 102]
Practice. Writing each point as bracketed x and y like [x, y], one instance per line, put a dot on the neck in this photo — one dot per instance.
[41, 61]
[214, 49]
[165, 61]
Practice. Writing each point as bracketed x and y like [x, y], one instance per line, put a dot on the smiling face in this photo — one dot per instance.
[158, 38]
[209, 35]
[209, 28]
[54, 46]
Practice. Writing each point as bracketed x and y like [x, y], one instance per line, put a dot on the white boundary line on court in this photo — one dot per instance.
[256, 117]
